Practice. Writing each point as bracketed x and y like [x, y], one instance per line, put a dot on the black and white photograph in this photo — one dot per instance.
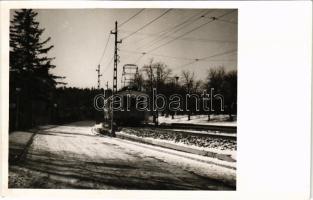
[154, 100]
[134, 98]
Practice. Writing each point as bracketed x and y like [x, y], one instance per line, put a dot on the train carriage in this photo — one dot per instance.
[128, 114]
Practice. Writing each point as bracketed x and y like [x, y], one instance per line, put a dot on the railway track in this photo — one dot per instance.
[227, 129]
[208, 138]
[195, 129]
[201, 127]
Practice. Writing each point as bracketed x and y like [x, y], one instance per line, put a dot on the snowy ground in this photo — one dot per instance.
[71, 156]
[206, 132]
[18, 141]
[202, 140]
[218, 120]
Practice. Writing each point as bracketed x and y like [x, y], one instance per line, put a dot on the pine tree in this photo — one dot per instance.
[29, 64]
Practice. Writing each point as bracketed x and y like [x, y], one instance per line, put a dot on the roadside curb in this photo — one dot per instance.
[220, 156]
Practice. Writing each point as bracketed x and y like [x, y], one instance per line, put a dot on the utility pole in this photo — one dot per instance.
[106, 96]
[105, 92]
[99, 75]
[116, 60]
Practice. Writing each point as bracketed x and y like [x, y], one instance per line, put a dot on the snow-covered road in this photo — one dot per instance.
[70, 156]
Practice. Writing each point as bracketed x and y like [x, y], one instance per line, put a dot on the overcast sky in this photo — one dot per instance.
[80, 35]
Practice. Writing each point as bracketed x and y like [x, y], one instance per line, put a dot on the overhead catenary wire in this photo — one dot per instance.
[144, 26]
[141, 56]
[174, 38]
[108, 65]
[223, 20]
[185, 21]
[133, 16]
[109, 36]
[182, 35]
[219, 54]
[105, 48]
[167, 35]
[178, 27]
[157, 55]
[193, 60]
[208, 57]
[186, 38]
[182, 27]
[230, 22]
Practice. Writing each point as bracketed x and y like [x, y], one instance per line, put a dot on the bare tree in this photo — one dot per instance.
[190, 84]
[224, 83]
[188, 80]
[138, 81]
[155, 75]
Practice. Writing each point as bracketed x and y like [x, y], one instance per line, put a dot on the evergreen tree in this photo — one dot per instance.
[29, 64]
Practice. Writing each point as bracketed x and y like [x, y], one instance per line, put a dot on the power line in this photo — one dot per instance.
[108, 65]
[111, 60]
[182, 35]
[158, 55]
[144, 26]
[181, 58]
[194, 60]
[168, 30]
[232, 60]
[230, 22]
[179, 28]
[185, 21]
[123, 23]
[223, 20]
[211, 56]
[186, 38]
[138, 59]
[219, 54]
[106, 45]
[140, 11]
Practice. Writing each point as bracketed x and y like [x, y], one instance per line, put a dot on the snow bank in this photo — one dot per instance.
[217, 120]
[200, 140]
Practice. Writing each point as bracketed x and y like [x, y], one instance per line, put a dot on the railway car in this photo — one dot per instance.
[129, 114]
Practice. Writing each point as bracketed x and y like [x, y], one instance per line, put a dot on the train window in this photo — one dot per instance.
[125, 103]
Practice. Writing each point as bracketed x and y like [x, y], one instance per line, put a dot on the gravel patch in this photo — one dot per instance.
[206, 141]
